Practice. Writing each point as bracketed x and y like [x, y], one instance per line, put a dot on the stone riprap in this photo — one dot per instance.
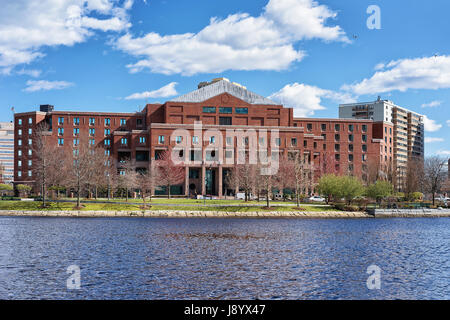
[187, 214]
[386, 213]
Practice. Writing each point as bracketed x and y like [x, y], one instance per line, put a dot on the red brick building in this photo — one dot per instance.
[212, 125]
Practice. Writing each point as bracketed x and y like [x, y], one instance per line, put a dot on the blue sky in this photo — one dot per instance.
[107, 55]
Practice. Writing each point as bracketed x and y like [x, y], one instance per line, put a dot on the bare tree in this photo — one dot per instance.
[298, 175]
[126, 177]
[145, 181]
[243, 175]
[434, 175]
[168, 172]
[78, 167]
[285, 178]
[413, 177]
[46, 157]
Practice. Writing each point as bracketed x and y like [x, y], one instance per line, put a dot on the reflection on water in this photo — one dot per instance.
[138, 258]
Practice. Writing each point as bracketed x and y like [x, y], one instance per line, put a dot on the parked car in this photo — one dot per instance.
[317, 199]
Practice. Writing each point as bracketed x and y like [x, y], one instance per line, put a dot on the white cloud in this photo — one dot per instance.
[26, 26]
[432, 104]
[418, 73]
[163, 92]
[431, 125]
[448, 123]
[38, 85]
[433, 139]
[444, 152]
[238, 42]
[28, 72]
[306, 99]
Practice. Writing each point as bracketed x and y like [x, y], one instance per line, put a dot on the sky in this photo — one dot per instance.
[116, 56]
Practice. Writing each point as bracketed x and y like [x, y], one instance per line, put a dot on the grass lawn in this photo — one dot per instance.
[52, 206]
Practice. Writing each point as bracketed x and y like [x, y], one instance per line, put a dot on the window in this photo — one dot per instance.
[228, 154]
[124, 141]
[337, 157]
[364, 147]
[245, 140]
[107, 152]
[241, 110]
[139, 122]
[209, 109]
[337, 137]
[30, 163]
[30, 142]
[212, 139]
[350, 137]
[19, 142]
[142, 140]
[350, 157]
[107, 132]
[229, 141]
[91, 121]
[194, 140]
[76, 121]
[30, 152]
[61, 141]
[261, 141]
[337, 147]
[76, 131]
[364, 157]
[107, 142]
[161, 139]
[60, 131]
[350, 148]
[30, 131]
[194, 173]
[19, 132]
[294, 142]
[324, 127]
[225, 121]
[19, 153]
[30, 120]
[324, 146]
[76, 152]
[364, 138]
[92, 142]
[123, 122]
[364, 128]
[278, 142]
[305, 143]
[19, 173]
[107, 121]
[19, 163]
[19, 122]
[178, 139]
[61, 120]
[315, 145]
[91, 131]
[30, 173]
[324, 136]
[225, 110]
[309, 126]
[337, 127]
[350, 127]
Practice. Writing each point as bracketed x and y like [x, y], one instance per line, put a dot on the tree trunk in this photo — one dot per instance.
[168, 191]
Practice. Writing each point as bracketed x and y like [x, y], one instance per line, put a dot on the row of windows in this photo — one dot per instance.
[337, 127]
[107, 142]
[225, 110]
[30, 132]
[19, 152]
[92, 121]
[19, 173]
[20, 121]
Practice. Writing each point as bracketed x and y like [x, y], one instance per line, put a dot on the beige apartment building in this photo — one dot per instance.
[6, 152]
[408, 130]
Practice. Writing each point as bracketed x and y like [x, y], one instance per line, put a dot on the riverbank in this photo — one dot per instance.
[188, 214]
[223, 214]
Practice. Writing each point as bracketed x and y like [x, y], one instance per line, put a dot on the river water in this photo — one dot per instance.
[142, 258]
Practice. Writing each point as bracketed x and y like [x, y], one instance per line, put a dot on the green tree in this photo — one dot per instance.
[5, 188]
[349, 187]
[379, 190]
[329, 186]
[24, 189]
